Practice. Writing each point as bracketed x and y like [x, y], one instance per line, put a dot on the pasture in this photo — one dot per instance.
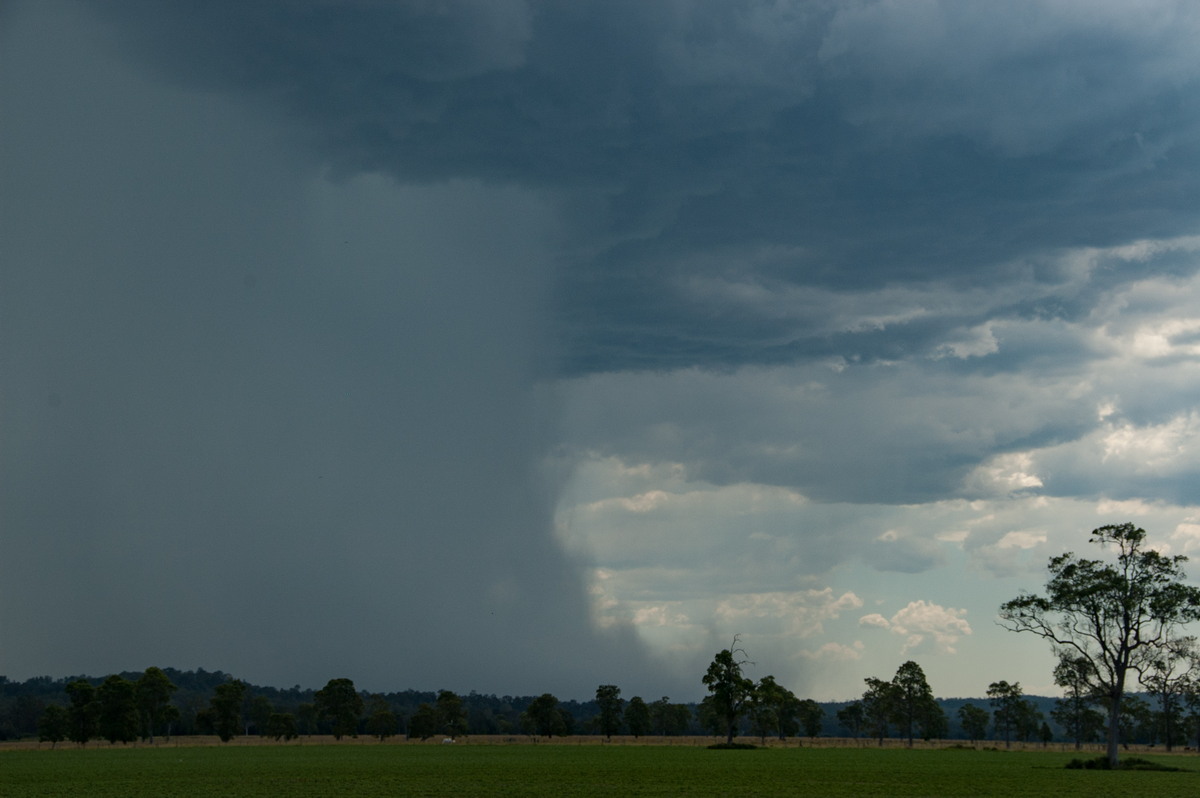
[466, 769]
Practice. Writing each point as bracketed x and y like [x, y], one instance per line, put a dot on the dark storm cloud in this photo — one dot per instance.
[256, 421]
[876, 144]
[284, 275]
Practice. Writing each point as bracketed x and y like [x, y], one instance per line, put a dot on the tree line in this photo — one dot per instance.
[167, 702]
[1112, 625]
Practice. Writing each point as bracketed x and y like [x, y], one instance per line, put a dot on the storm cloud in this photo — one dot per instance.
[583, 334]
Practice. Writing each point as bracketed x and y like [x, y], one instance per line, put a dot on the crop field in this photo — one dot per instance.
[563, 770]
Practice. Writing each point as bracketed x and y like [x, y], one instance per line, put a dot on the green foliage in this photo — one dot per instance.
[1006, 701]
[307, 716]
[423, 723]
[608, 699]
[637, 716]
[83, 712]
[1119, 617]
[117, 716]
[54, 725]
[152, 694]
[340, 703]
[667, 718]
[811, 715]
[1075, 711]
[452, 718]
[878, 706]
[913, 704]
[259, 713]
[1132, 763]
[853, 717]
[381, 722]
[545, 717]
[729, 690]
[280, 726]
[225, 709]
[974, 721]
[733, 747]
[773, 709]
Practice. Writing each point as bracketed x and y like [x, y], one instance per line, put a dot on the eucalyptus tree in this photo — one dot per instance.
[226, 708]
[974, 721]
[339, 701]
[152, 694]
[729, 690]
[878, 706]
[452, 715]
[608, 699]
[1118, 616]
[1007, 706]
[83, 711]
[544, 716]
[1169, 678]
[54, 725]
[117, 716]
[775, 708]
[637, 716]
[853, 717]
[913, 704]
[812, 717]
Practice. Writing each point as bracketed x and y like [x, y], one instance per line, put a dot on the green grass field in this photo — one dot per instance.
[563, 770]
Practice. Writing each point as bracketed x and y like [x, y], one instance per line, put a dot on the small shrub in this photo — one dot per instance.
[1133, 763]
[732, 747]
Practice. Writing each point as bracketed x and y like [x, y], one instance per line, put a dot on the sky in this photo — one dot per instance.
[522, 346]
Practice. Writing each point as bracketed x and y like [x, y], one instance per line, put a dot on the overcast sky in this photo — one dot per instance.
[520, 346]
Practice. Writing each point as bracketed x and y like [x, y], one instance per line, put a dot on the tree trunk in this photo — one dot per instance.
[1114, 730]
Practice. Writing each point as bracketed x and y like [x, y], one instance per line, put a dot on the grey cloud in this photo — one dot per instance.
[937, 144]
[867, 434]
[262, 422]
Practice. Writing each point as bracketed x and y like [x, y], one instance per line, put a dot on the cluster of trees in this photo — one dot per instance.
[906, 703]
[119, 710]
[771, 708]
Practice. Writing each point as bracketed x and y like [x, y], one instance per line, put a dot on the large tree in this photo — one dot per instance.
[341, 703]
[1007, 706]
[152, 692]
[974, 721]
[728, 689]
[118, 715]
[225, 708]
[852, 716]
[544, 716]
[54, 725]
[637, 716]
[82, 714]
[812, 716]
[608, 699]
[878, 706]
[1118, 616]
[381, 722]
[1169, 678]
[452, 716]
[424, 722]
[913, 704]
